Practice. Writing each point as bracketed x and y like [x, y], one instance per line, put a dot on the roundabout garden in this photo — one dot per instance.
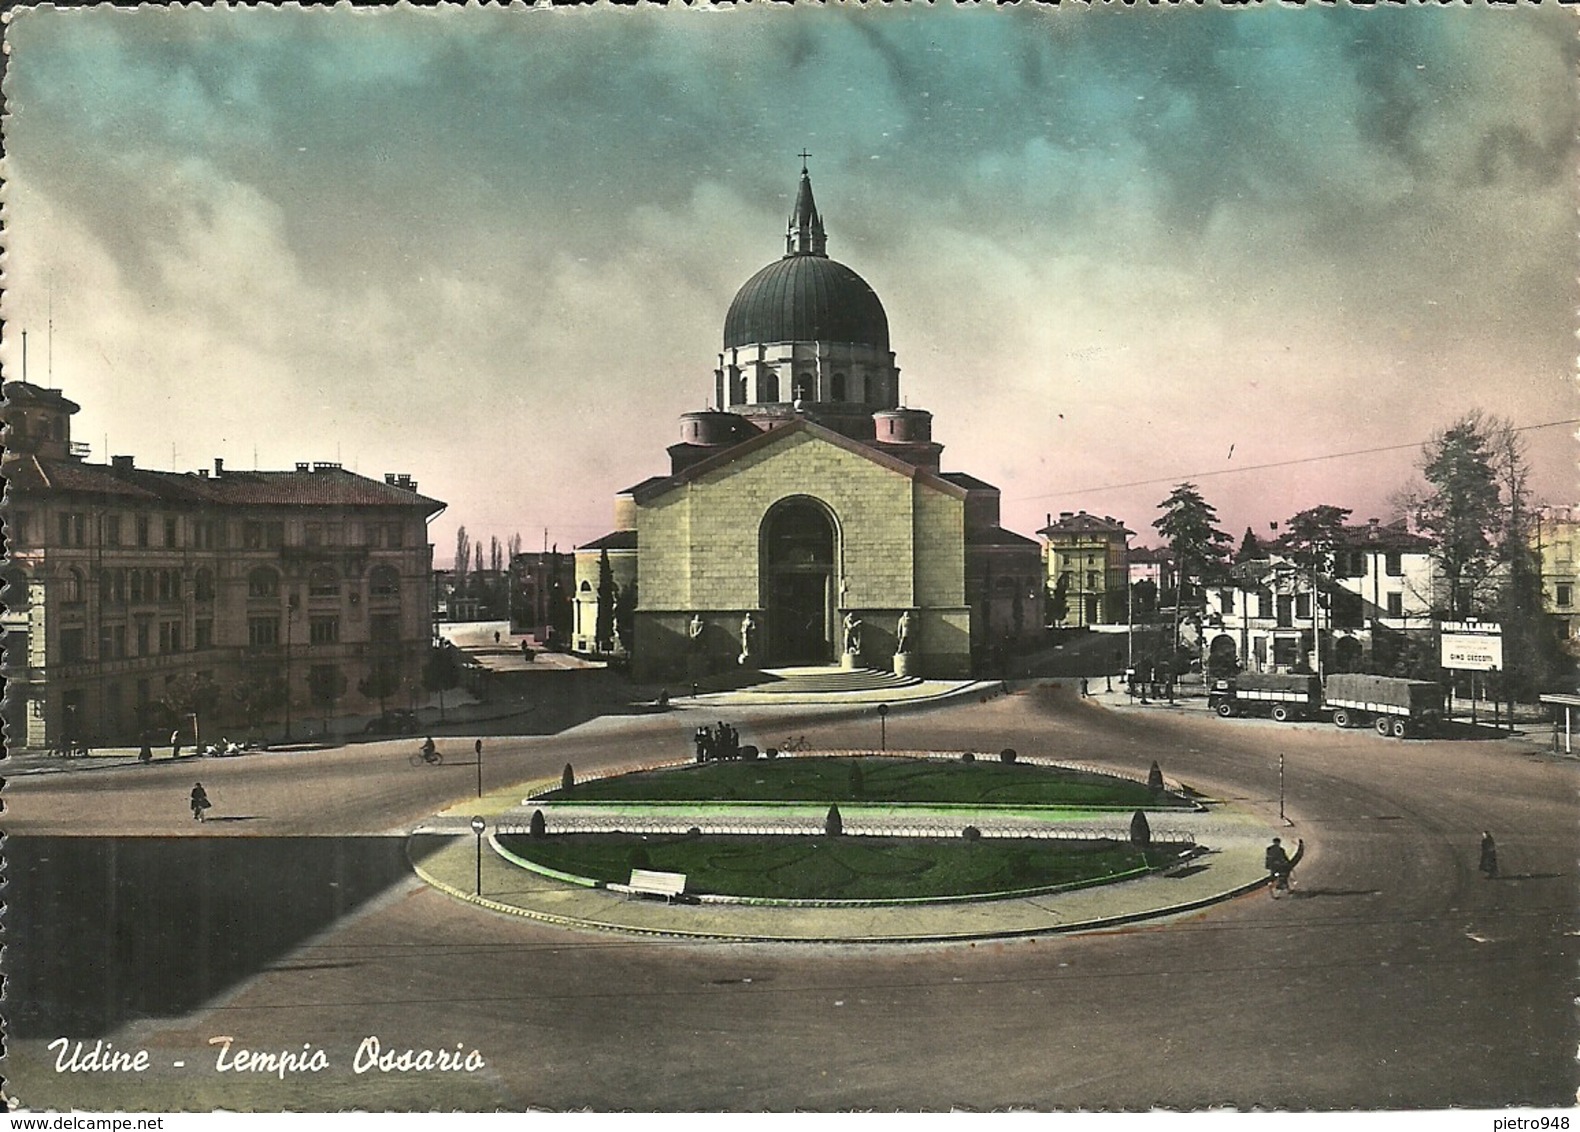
[868, 829]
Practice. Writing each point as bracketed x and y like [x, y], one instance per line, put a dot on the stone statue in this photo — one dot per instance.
[903, 634]
[852, 634]
[748, 639]
[694, 630]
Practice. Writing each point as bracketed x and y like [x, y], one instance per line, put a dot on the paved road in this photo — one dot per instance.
[1398, 978]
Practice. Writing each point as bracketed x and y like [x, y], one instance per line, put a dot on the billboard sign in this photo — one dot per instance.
[1474, 646]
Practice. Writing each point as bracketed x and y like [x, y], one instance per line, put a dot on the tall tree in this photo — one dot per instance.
[463, 555]
[496, 554]
[514, 545]
[1250, 548]
[1059, 599]
[381, 682]
[1460, 509]
[1190, 524]
[1312, 536]
[604, 629]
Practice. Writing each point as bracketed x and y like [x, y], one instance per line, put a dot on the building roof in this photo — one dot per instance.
[26, 393]
[614, 540]
[653, 488]
[324, 485]
[969, 482]
[1080, 523]
[806, 297]
[998, 536]
[1159, 554]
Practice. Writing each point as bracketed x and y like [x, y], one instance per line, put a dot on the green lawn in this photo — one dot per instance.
[838, 868]
[987, 782]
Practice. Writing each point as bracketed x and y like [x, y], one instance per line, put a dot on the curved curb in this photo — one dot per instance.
[581, 923]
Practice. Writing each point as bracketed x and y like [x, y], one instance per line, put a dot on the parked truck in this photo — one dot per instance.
[1284, 697]
[1394, 707]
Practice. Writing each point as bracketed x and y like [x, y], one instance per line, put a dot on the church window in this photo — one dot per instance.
[804, 386]
[837, 387]
[769, 393]
[737, 386]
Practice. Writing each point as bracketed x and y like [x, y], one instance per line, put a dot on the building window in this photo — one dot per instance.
[71, 645]
[323, 630]
[263, 582]
[263, 631]
[837, 387]
[769, 392]
[169, 636]
[73, 588]
[1286, 651]
[1303, 606]
[1393, 565]
[170, 585]
[384, 582]
[323, 581]
[1226, 599]
[142, 530]
[257, 535]
[737, 387]
[384, 628]
[112, 530]
[393, 536]
[1396, 604]
[1565, 593]
[203, 585]
[203, 634]
[73, 526]
[117, 642]
[143, 633]
[170, 531]
[208, 534]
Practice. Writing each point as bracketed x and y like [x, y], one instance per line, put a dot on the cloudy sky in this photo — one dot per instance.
[494, 248]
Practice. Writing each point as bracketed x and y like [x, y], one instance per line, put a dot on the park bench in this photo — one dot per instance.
[649, 882]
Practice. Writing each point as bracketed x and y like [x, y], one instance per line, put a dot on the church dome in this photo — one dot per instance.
[806, 298]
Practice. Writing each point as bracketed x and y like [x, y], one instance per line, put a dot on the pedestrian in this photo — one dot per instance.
[200, 802]
[1280, 865]
[1489, 855]
[1085, 689]
[496, 636]
[175, 744]
[146, 755]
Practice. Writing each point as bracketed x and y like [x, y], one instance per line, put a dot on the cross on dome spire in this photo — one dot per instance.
[805, 235]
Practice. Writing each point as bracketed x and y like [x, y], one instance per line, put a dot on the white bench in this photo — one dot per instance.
[649, 882]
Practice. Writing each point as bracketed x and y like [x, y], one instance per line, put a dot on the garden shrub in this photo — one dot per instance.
[1140, 831]
[749, 753]
[567, 778]
[771, 752]
[833, 825]
[1155, 778]
[1007, 755]
[857, 783]
[538, 827]
[968, 757]
[971, 833]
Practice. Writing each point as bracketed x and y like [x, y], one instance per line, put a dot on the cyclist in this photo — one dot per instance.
[429, 751]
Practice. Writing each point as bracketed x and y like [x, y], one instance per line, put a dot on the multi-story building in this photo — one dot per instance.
[1151, 575]
[140, 598]
[1382, 588]
[1087, 567]
[1557, 538]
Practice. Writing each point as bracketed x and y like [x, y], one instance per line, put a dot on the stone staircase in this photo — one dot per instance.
[825, 680]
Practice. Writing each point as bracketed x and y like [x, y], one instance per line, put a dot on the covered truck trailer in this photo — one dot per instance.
[1395, 707]
[1281, 696]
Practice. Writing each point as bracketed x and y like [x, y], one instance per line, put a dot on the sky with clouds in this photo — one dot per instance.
[494, 248]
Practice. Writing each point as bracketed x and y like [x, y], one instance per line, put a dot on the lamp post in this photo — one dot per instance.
[478, 748]
[290, 611]
[478, 825]
[1281, 816]
[883, 728]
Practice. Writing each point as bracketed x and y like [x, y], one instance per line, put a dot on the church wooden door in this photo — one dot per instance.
[799, 583]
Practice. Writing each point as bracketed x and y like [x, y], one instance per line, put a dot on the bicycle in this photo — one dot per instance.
[69, 749]
[794, 743]
[423, 755]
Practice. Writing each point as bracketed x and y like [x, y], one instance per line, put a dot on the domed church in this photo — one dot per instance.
[805, 520]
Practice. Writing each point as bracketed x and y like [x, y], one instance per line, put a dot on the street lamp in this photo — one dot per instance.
[478, 825]
[883, 728]
[478, 747]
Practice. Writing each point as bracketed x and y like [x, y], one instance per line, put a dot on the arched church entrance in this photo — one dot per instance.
[799, 542]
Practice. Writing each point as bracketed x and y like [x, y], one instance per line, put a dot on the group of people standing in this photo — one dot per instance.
[720, 742]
